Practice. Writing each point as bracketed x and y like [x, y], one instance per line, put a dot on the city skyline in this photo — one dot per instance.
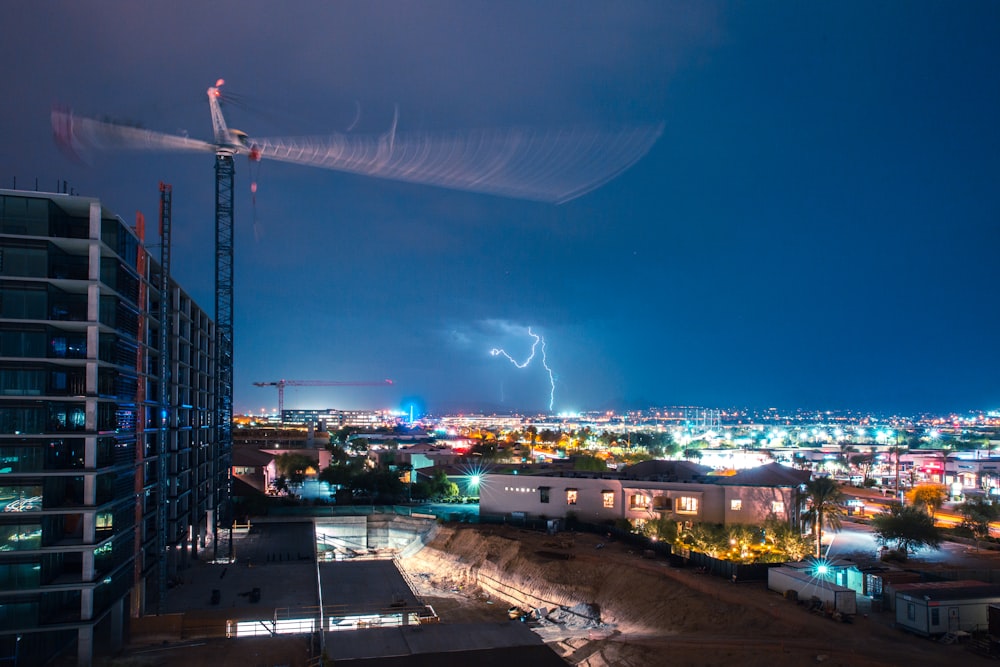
[813, 228]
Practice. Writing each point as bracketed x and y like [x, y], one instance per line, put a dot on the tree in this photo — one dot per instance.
[383, 486]
[532, 432]
[441, 486]
[845, 449]
[707, 538]
[338, 474]
[898, 451]
[341, 435]
[906, 528]
[929, 497]
[663, 529]
[294, 466]
[824, 507]
[549, 437]
[864, 464]
[589, 463]
[741, 540]
[487, 449]
[358, 445]
[786, 542]
[338, 455]
[977, 515]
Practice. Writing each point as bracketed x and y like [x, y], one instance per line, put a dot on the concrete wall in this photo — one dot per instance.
[379, 531]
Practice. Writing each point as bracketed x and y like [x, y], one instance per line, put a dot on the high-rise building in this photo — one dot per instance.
[111, 477]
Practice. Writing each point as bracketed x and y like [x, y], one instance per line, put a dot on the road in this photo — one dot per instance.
[948, 516]
[858, 538]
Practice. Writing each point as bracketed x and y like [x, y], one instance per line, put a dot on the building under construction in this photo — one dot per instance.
[112, 475]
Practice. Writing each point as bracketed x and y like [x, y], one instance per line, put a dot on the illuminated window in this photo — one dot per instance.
[608, 498]
[571, 496]
[778, 507]
[736, 504]
[638, 501]
[687, 504]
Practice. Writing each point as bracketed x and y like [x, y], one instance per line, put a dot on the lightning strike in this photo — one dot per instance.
[539, 341]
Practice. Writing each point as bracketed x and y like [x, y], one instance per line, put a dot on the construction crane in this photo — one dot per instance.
[553, 166]
[281, 384]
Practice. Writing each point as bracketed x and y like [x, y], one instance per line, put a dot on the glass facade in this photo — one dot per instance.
[97, 478]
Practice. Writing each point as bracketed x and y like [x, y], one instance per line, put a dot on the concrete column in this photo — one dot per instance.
[93, 304]
[95, 220]
[90, 452]
[85, 646]
[88, 571]
[91, 378]
[90, 489]
[89, 527]
[87, 604]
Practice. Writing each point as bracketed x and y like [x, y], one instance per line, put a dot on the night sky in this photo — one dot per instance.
[816, 227]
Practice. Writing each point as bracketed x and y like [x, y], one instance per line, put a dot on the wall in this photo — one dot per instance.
[503, 495]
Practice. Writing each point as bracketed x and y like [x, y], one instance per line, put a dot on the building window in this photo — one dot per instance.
[778, 507]
[687, 504]
[638, 501]
[935, 616]
[911, 611]
[571, 496]
[608, 498]
[663, 503]
[736, 504]
[543, 494]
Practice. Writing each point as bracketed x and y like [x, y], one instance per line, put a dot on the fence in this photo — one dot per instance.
[731, 569]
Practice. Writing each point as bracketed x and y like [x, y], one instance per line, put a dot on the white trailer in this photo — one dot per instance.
[808, 587]
[928, 610]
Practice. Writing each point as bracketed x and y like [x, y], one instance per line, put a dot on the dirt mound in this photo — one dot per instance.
[607, 604]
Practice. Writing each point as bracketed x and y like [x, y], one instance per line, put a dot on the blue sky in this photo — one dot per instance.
[815, 227]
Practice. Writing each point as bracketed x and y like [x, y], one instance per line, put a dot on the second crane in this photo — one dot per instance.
[281, 384]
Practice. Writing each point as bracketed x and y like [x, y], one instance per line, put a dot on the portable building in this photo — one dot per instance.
[808, 586]
[930, 610]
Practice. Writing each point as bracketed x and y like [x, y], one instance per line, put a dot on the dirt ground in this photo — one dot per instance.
[651, 614]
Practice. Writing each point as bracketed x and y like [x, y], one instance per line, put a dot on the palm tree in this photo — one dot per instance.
[823, 499]
[898, 450]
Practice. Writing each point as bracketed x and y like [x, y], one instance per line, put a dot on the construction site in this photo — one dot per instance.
[387, 590]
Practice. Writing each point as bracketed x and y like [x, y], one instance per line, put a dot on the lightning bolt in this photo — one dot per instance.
[539, 341]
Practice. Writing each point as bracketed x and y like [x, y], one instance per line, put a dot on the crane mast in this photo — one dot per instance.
[166, 206]
[221, 473]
